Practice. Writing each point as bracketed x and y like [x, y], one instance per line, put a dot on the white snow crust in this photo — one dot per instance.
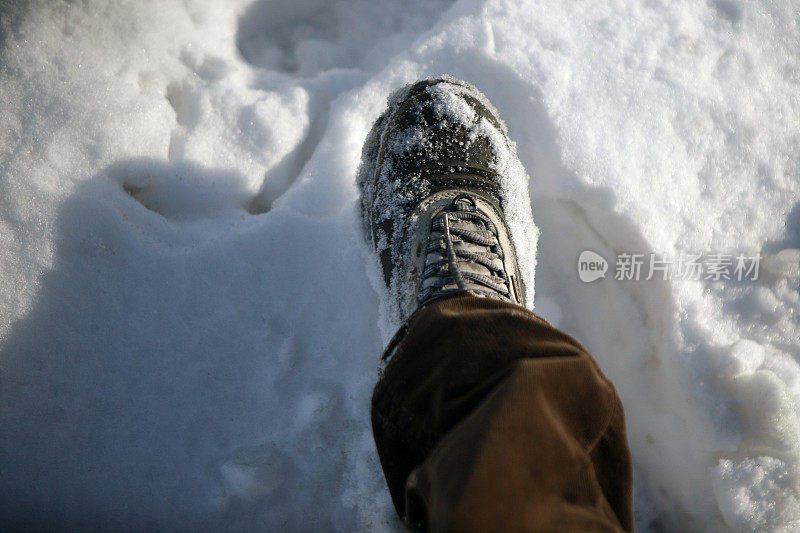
[188, 326]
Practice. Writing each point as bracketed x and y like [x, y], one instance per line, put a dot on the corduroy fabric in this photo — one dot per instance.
[487, 418]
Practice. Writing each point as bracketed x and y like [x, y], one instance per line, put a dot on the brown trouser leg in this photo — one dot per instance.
[487, 418]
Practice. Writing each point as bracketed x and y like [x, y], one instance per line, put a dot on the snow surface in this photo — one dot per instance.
[189, 332]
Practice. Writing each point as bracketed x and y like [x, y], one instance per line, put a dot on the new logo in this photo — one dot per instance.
[591, 266]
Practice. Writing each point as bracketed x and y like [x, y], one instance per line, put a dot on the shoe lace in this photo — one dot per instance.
[480, 246]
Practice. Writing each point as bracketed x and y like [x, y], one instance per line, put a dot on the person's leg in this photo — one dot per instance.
[487, 418]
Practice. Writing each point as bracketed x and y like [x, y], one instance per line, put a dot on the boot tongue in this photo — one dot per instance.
[462, 245]
[464, 204]
[469, 236]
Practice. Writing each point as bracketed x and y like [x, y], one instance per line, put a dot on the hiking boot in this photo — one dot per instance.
[433, 180]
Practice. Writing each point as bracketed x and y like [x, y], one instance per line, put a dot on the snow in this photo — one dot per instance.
[188, 326]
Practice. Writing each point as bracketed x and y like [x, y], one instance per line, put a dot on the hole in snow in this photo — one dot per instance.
[310, 36]
[181, 190]
[731, 11]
